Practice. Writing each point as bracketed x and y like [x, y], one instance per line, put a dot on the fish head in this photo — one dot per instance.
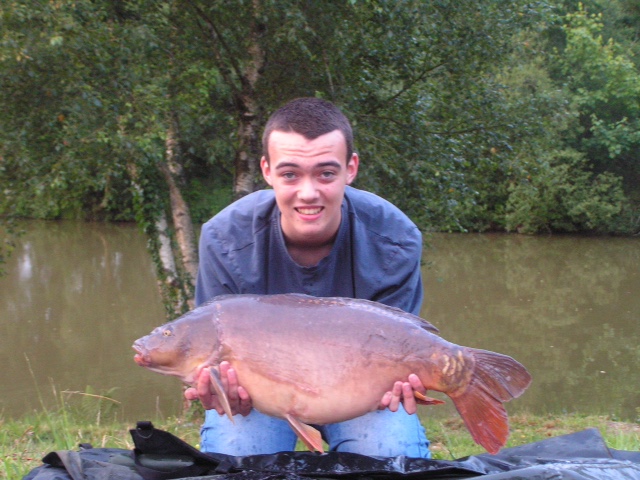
[180, 348]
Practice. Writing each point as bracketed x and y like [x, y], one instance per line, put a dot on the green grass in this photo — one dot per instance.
[450, 438]
[23, 442]
[90, 418]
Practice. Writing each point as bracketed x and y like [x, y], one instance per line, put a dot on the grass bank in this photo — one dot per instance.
[25, 441]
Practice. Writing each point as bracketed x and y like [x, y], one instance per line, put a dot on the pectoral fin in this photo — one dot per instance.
[218, 389]
[424, 400]
[309, 435]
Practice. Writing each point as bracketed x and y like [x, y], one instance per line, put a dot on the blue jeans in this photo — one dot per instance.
[380, 433]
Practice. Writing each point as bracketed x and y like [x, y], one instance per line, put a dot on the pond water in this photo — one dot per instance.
[567, 307]
[76, 295]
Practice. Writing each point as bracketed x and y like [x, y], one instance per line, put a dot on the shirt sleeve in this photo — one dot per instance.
[232, 248]
[214, 276]
[387, 252]
[402, 284]
[404, 289]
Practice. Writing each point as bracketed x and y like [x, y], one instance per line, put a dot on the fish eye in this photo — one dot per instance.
[167, 332]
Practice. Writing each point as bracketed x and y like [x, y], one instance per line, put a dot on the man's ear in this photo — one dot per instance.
[266, 170]
[352, 168]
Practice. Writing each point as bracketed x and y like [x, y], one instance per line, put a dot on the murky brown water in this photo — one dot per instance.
[567, 307]
[77, 295]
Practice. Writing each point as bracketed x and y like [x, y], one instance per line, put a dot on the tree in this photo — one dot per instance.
[153, 109]
[419, 83]
[553, 182]
[605, 88]
[87, 134]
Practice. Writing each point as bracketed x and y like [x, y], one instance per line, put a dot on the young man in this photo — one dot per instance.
[311, 233]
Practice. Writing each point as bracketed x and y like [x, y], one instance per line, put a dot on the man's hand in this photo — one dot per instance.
[403, 392]
[238, 397]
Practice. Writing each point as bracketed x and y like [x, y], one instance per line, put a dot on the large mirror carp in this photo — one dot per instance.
[313, 360]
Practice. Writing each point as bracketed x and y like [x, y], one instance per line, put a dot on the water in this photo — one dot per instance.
[566, 307]
[77, 295]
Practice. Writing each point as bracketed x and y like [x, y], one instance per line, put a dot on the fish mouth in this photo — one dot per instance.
[141, 357]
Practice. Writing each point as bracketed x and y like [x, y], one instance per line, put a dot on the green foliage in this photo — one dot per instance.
[428, 109]
[8, 233]
[619, 19]
[453, 103]
[604, 86]
[85, 95]
[547, 180]
[57, 101]
[206, 198]
[563, 196]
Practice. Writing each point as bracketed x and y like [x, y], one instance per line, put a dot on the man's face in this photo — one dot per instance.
[309, 178]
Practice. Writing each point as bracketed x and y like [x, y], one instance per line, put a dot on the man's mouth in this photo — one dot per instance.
[309, 210]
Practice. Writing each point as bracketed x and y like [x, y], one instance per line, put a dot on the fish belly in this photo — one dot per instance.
[315, 402]
[319, 382]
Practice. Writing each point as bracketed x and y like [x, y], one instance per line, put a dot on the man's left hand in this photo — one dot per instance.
[403, 392]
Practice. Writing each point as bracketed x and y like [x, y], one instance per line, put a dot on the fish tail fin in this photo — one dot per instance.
[496, 379]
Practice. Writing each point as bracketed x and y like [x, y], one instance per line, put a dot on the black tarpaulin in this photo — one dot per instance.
[159, 455]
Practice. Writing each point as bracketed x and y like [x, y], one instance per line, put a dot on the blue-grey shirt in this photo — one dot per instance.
[376, 254]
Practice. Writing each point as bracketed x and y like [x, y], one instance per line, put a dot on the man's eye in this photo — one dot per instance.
[328, 174]
[288, 175]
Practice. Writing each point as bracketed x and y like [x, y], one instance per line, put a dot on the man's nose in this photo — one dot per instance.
[308, 190]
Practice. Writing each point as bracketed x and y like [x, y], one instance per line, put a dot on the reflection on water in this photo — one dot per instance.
[568, 308]
[77, 295]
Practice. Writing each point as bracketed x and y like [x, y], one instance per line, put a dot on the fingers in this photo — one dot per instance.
[191, 394]
[408, 399]
[416, 384]
[206, 392]
[403, 392]
[203, 391]
[245, 405]
[392, 398]
[230, 384]
[386, 399]
[238, 397]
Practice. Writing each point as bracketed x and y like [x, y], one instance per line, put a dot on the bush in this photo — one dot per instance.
[562, 196]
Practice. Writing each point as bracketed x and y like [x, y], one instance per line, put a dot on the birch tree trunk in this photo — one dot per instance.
[250, 145]
[157, 229]
[165, 253]
[187, 252]
[171, 238]
[242, 76]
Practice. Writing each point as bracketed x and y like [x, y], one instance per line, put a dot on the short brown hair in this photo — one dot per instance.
[310, 117]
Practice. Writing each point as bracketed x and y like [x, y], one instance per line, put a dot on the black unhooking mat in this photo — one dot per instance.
[159, 455]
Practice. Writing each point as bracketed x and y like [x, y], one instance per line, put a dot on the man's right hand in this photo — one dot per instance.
[238, 397]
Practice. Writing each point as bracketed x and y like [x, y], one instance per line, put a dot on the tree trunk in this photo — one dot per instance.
[165, 253]
[181, 217]
[249, 152]
[242, 80]
[250, 145]
[176, 267]
[159, 244]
